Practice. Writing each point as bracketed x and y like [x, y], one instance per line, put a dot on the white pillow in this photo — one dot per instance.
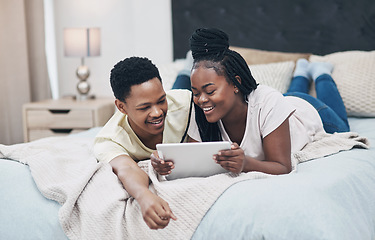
[276, 75]
[354, 74]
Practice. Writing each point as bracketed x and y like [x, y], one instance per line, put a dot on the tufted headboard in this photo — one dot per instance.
[319, 26]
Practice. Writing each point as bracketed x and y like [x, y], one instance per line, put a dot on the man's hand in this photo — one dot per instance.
[160, 165]
[155, 211]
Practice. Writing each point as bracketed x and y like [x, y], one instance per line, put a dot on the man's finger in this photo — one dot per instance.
[173, 216]
[168, 211]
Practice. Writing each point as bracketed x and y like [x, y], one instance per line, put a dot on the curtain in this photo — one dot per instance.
[23, 68]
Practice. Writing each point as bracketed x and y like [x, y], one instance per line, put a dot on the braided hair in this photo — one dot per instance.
[210, 47]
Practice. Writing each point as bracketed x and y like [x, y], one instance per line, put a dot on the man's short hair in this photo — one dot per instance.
[131, 71]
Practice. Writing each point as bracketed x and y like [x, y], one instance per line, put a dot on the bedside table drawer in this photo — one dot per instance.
[59, 118]
[41, 133]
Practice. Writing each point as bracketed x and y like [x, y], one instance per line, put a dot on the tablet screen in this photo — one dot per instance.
[192, 159]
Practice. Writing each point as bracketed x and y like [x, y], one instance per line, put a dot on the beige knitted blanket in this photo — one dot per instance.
[95, 205]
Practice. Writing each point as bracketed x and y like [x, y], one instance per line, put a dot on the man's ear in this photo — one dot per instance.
[120, 106]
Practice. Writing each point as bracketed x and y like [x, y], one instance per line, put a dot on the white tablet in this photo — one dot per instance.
[192, 159]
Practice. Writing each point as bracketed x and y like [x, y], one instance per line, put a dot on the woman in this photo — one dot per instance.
[264, 126]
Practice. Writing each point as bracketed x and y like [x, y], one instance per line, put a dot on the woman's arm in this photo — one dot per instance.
[156, 212]
[277, 150]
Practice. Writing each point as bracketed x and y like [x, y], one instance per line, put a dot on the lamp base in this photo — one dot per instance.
[83, 86]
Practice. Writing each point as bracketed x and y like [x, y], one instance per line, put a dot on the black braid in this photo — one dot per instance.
[205, 43]
[209, 132]
[212, 46]
[235, 65]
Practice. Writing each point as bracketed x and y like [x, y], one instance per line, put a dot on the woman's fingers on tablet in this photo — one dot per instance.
[226, 165]
[231, 166]
[231, 159]
[224, 154]
[234, 145]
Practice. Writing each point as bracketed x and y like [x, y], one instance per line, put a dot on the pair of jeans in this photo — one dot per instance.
[328, 101]
[182, 82]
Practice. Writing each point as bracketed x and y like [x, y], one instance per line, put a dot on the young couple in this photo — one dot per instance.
[264, 126]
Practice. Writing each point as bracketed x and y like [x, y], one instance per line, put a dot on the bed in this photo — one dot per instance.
[330, 197]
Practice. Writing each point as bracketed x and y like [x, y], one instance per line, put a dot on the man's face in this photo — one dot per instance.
[146, 107]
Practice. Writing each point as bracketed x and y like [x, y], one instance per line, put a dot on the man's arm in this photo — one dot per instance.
[156, 212]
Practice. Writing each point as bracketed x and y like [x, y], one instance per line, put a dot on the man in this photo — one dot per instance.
[147, 116]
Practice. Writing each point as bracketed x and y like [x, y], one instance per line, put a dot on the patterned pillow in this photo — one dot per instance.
[276, 75]
[257, 56]
[354, 74]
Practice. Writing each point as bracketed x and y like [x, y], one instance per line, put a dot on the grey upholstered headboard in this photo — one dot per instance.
[315, 26]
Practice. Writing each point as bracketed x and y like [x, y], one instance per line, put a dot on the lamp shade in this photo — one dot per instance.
[81, 42]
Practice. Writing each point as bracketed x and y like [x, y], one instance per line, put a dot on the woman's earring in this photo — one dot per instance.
[236, 91]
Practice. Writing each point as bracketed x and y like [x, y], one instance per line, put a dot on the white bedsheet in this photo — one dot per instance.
[329, 198]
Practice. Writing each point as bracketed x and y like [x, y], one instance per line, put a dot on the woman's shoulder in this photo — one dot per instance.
[262, 89]
[263, 93]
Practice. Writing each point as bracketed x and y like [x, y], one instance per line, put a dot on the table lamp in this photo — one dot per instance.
[82, 42]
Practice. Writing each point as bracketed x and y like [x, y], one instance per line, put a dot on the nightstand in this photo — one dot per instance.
[64, 116]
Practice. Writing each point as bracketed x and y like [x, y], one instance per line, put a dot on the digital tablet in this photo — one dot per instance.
[192, 159]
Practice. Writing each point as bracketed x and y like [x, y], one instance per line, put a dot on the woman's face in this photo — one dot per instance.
[146, 107]
[212, 93]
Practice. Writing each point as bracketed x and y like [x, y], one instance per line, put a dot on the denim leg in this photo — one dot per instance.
[331, 121]
[182, 82]
[299, 84]
[327, 92]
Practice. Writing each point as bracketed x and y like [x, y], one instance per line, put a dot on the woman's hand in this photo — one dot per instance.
[155, 211]
[232, 159]
[160, 165]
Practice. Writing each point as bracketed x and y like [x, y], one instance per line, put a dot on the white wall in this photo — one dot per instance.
[128, 28]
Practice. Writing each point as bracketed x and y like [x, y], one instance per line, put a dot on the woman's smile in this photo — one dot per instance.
[207, 109]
